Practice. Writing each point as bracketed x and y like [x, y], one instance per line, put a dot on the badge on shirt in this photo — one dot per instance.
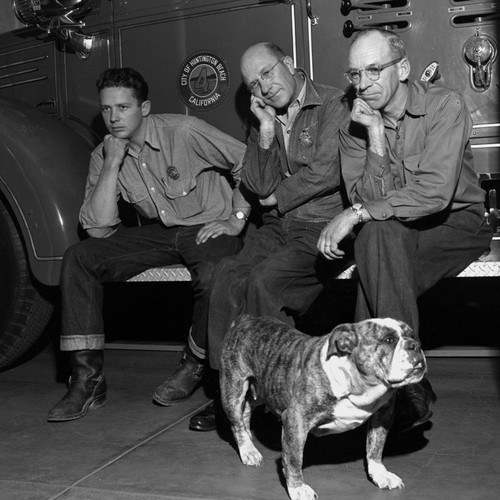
[305, 139]
[173, 173]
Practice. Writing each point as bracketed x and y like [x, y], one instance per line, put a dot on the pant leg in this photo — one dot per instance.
[227, 297]
[385, 254]
[397, 262]
[201, 261]
[91, 262]
[288, 281]
[448, 248]
[282, 282]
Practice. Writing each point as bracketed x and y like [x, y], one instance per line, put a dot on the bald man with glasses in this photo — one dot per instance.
[292, 168]
[417, 205]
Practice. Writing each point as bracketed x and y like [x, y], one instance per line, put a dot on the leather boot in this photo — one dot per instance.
[206, 419]
[87, 387]
[182, 383]
[412, 407]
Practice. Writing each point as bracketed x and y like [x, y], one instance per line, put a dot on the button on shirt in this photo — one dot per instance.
[176, 177]
[287, 120]
[428, 165]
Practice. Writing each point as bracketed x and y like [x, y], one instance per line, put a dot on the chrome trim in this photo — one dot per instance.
[25, 61]
[23, 82]
[294, 35]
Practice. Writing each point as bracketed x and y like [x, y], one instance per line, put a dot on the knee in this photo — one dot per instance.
[72, 255]
[225, 272]
[261, 278]
[202, 276]
[78, 256]
[379, 231]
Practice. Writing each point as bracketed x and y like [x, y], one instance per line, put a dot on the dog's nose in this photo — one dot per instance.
[412, 345]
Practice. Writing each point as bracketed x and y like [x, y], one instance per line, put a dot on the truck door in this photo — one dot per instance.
[457, 34]
[191, 58]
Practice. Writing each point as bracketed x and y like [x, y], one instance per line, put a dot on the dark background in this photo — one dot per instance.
[457, 311]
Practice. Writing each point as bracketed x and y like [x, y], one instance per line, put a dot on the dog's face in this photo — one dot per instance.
[383, 350]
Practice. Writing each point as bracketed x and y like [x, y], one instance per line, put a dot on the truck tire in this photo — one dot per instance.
[24, 312]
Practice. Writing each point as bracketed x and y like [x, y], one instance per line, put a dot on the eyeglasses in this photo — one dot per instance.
[265, 76]
[372, 72]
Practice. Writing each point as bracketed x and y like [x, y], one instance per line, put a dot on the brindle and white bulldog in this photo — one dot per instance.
[322, 385]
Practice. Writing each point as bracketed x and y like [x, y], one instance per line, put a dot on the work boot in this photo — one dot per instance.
[206, 419]
[211, 417]
[86, 388]
[412, 407]
[182, 383]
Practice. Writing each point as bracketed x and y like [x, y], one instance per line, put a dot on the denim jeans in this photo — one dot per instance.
[278, 273]
[124, 254]
[398, 262]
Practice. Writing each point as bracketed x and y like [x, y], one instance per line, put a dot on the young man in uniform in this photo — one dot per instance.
[173, 170]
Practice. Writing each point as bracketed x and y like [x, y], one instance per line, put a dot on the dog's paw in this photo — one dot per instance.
[383, 478]
[303, 492]
[250, 455]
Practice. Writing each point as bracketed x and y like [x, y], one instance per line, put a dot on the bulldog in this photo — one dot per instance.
[323, 385]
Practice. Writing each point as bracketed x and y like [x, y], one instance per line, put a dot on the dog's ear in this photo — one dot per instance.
[343, 340]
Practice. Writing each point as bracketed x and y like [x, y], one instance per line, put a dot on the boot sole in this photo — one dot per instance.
[93, 404]
[171, 402]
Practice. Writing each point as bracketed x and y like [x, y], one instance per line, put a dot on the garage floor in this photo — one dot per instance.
[132, 449]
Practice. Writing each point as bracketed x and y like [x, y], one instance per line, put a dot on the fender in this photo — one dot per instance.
[43, 168]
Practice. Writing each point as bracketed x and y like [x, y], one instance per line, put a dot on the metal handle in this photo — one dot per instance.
[314, 19]
[480, 52]
[48, 102]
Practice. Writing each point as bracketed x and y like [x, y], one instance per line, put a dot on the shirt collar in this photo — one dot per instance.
[307, 95]
[293, 107]
[311, 97]
[414, 104]
[152, 137]
[302, 95]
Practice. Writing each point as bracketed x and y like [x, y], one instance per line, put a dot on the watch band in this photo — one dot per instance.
[357, 208]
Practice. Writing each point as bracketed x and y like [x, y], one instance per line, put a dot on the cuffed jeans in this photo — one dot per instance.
[278, 273]
[398, 262]
[124, 254]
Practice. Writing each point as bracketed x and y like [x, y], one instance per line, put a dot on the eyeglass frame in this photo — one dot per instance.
[378, 67]
[255, 84]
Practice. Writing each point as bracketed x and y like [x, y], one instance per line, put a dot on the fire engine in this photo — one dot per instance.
[188, 51]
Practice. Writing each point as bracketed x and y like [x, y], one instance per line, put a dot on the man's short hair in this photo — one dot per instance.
[273, 49]
[124, 77]
[396, 45]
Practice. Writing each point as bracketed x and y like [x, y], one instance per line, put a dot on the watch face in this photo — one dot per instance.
[239, 215]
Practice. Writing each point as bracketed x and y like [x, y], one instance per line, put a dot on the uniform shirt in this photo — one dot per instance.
[179, 176]
[428, 165]
[306, 178]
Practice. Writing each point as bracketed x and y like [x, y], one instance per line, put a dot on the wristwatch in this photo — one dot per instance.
[240, 215]
[357, 208]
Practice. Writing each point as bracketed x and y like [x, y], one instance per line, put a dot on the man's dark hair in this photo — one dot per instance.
[124, 77]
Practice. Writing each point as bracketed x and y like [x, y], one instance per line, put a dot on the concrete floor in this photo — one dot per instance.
[132, 449]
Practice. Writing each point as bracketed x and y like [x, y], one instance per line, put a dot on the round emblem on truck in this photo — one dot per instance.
[203, 80]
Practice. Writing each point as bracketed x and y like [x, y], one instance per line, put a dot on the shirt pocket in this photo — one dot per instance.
[410, 166]
[181, 193]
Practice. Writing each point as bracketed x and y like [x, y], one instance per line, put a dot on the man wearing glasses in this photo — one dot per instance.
[292, 166]
[417, 205]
